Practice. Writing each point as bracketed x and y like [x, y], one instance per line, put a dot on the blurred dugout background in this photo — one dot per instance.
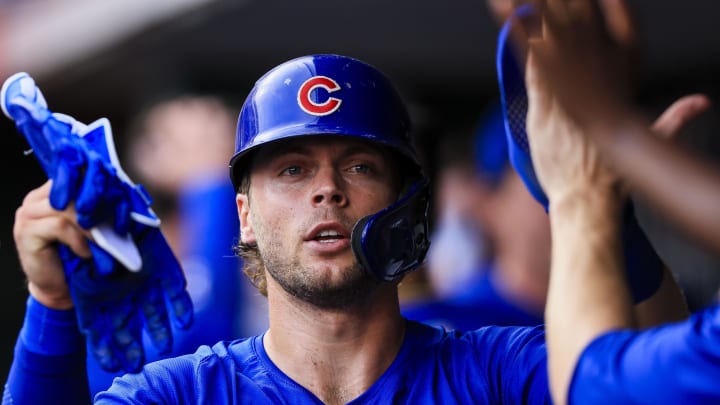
[111, 58]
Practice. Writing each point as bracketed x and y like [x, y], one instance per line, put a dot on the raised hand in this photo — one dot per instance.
[585, 54]
[564, 159]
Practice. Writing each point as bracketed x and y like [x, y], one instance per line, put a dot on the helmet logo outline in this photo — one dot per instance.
[327, 107]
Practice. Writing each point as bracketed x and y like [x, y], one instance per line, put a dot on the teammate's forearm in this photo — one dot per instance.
[682, 186]
[588, 293]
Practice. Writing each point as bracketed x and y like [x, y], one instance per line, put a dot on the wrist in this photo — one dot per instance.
[597, 203]
[58, 300]
[50, 332]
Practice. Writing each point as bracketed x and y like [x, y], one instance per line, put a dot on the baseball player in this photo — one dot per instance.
[606, 359]
[333, 209]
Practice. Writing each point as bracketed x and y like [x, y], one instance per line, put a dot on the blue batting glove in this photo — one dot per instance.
[114, 309]
[133, 280]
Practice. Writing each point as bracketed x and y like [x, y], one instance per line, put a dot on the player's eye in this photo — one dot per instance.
[360, 169]
[292, 171]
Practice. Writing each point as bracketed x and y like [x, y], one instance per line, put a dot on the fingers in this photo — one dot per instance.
[522, 25]
[598, 17]
[156, 320]
[93, 325]
[518, 36]
[67, 176]
[181, 308]
[539, 93]
[172, 279]
[177, 298]
[38, 226]
[114, 332]
[619, 21]
[107, 314]
[103, 197]
[38, 193]
[94, 197]
[682, 111]
[123, 220]
[102, 351]
[126, 332]
[557, 12]
[104, 263]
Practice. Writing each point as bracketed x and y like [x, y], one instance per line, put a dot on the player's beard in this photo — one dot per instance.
[302, 281]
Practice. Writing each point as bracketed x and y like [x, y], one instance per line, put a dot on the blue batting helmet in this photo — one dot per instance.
[341, 96]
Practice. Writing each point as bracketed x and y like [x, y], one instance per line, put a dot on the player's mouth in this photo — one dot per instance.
[328, 237]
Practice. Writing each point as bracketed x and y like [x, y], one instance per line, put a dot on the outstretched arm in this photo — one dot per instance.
[588, 293]
[585, 52]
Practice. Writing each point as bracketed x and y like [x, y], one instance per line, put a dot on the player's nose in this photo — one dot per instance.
[328, 188]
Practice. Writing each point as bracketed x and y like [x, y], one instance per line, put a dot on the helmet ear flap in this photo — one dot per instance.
[394, 241]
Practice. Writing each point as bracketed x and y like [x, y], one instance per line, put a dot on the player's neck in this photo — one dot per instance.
[335, 354]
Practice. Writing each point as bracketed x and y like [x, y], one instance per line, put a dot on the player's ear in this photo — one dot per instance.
[247, 234]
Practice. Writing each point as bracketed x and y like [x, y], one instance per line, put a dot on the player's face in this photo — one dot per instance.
[305, 196]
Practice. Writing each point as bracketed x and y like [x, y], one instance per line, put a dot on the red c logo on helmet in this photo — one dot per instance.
[329, 106]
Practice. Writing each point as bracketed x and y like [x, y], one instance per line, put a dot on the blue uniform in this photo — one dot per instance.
[479, 304]
[670, 364]
[213, 274]
[493, 365]
[49, 362]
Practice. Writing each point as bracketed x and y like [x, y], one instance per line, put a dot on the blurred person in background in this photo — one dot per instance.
[459, 246]
[490, 254]
[177, 148]
[489, 258]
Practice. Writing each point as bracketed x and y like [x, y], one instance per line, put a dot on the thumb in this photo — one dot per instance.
[682, 111]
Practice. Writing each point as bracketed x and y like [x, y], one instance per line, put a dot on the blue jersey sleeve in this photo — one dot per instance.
[672, 364]
[49, 361]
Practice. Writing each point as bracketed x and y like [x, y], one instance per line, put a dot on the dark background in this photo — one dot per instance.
[440, 55]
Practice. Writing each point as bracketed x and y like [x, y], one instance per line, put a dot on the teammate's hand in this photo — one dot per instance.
[565, 161]
[585, 55]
